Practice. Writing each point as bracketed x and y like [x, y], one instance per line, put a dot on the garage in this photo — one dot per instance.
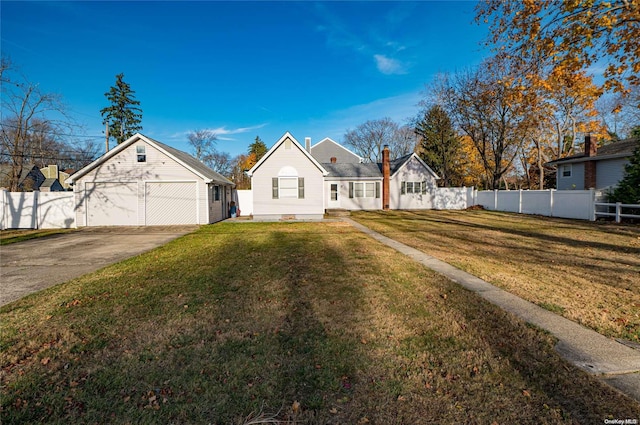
[142, 182]
[170, 203]
[111, 204]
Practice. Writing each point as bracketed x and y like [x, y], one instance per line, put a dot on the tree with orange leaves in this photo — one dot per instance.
[570, 35]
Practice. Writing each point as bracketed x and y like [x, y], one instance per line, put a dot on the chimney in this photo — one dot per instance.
[334, 159]
[590, 149]
[307, 144]
[386, 175]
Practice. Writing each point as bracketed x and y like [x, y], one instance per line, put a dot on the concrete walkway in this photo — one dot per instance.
[614, 363]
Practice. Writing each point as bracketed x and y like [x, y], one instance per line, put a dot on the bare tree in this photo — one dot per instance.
[368, 139]
[203, 143]
[486, 105]
[28, 133]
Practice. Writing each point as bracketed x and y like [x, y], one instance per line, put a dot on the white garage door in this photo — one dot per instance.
[170, 203]
[112, 204]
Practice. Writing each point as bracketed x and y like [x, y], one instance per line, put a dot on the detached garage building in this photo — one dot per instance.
[143, 182]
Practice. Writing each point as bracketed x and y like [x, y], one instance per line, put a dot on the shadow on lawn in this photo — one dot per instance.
[448, 220]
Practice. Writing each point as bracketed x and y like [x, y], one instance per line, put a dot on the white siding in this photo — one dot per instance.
[413, 171]
[124, 169]
[609, 172]
[353, 203]
[312, 206]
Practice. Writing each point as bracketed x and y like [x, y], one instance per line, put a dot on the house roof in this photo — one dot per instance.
[398, 163]
[286, 136]
[48, 182]
[327, 148]
[179, 156]
[193, 163]
[351, 170]
[620, 149]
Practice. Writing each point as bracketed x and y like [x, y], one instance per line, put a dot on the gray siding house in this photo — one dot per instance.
[143, 182]
[594, 168]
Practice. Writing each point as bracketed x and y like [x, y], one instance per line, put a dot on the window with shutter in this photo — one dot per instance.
[274, 188]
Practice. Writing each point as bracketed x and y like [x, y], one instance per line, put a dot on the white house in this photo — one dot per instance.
[287, 182]
[143, 182]
[344, 182]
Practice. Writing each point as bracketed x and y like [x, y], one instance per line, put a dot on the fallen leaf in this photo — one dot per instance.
[295, 407]
[526, 393]
[334, 411]
[45, 360]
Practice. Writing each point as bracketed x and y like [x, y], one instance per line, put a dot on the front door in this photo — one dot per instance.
[334, 196]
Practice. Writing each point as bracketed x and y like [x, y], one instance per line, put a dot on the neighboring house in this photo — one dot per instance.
[287, 182]
[52, 172]
[327, 151]
[594, 168]
[344, 182]
[30, 179]
[51, 185]
[144, 182]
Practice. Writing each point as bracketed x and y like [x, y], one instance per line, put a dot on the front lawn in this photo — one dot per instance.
[301, 322]
[587, 272]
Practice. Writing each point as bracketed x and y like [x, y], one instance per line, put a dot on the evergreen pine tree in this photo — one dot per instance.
[123, 116]
[258, 148]
[439, 146]
[628, 190]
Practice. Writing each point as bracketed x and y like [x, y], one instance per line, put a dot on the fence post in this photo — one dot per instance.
[520, 202]
[495, 199]
[593, 204]
[551, 202]
[3, 211]
[618, 212]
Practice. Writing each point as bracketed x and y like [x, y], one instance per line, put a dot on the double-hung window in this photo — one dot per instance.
[141, 153]
[364, 189]
[566, 170]
[407, 187]
[287, 187]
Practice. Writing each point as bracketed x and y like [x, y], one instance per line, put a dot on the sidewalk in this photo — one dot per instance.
[614, 363]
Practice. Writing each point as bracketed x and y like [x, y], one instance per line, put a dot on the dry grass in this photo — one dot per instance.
[587, 272]
[295, 323]
[13, 236]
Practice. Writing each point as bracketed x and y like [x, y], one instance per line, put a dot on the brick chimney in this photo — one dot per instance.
[334, 159]
[590, 150]
[386, 175]
[590, 147]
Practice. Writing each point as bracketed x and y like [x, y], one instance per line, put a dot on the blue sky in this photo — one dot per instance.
[242, 69]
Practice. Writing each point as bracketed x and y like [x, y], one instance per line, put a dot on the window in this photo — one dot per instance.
[566, 170]
[216, 193]
[364, 190]
[334, 192]
[140, 151]
[413, 187]
[287, 187]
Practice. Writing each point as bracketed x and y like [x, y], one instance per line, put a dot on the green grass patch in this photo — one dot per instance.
[297, 322]
[13, 236]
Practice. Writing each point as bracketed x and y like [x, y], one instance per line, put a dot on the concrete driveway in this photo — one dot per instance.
[29, 266]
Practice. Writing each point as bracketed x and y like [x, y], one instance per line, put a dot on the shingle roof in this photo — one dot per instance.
[49, 182]
[619, 149]
[193, 163]
[397, 163]
[352, 170]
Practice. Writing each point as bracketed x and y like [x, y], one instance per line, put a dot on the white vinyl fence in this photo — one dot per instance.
[578, 204]
[37, 210]
[245, 202]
